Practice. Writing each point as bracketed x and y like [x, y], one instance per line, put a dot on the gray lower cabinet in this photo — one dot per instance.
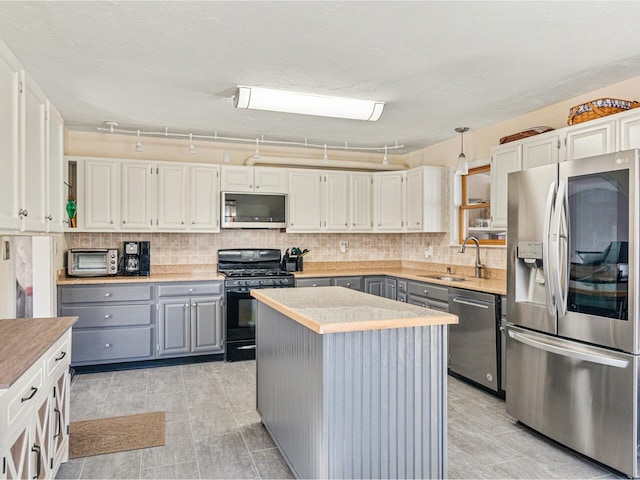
[354, 283]
[115, 322]
[313, 282]
[381, 286]
[374, 286]
[428, 295]
[190, 319]
[402, 290]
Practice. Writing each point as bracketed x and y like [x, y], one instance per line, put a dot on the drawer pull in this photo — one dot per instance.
[107, 294]
[194, 304]
[107, 316]
[38, 450]
[426, 292]
[348, 284]
[62, 355]
[107, 345]
[33, 392]
[191, 289]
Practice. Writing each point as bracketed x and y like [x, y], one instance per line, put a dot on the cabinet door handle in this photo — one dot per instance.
[38, 450]
[194, 304]
[33, 392]
[59, 422]
[186, 305]
[107, 345]
[193, 222]
[257, 186]
[251, 185]
[182, 223]
[49, 217]
[62, 355]
[124, 222]
[111, 222]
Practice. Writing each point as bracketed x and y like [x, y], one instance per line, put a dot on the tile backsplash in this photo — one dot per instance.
[201, 248]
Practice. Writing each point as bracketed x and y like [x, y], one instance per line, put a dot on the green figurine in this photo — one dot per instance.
[72, 208]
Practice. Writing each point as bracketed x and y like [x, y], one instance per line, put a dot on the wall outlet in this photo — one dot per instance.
[343, 247]
[226, 157]
[428, 252]
[6, 250]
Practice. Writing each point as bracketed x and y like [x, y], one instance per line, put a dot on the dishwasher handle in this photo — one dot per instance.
[471, 302]
[567, 352]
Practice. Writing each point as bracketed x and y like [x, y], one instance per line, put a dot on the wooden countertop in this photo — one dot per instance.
[488, 285]
[24, 340]
[339, 310]
[496, 286]
[154, 277]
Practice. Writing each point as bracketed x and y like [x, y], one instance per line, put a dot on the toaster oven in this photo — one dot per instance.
[92, 262]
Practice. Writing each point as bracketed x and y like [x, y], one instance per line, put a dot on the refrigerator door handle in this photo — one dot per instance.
[560, 290]
[566, 352]
[546, 262]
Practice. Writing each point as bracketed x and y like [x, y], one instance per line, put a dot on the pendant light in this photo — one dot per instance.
[138, 144]
[462, 167]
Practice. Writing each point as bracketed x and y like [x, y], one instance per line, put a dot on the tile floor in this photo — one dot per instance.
[213, 430]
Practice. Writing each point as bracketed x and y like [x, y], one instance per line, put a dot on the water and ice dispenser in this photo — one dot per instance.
[530, 279]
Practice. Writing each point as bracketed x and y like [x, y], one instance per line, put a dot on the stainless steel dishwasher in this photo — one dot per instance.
[474, 341]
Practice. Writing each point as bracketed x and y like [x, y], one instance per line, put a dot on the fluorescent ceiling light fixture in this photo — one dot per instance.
[260, 98]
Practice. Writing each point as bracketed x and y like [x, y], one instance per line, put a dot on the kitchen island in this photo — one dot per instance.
[351, 385]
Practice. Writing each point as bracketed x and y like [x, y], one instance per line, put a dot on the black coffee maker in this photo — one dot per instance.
[136, 259]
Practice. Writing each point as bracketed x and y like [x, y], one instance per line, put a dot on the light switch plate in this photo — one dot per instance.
[6, 250]
[343, 247]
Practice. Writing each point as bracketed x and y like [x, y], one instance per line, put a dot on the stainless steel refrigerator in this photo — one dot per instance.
[572, 332]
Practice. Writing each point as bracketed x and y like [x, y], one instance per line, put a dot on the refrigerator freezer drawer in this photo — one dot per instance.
[581, 396]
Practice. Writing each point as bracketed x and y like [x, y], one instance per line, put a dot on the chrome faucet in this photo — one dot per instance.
[479, 266]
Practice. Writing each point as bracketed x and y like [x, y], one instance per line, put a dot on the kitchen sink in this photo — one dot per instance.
[446, 278]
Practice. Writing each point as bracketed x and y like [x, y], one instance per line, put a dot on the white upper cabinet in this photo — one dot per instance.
[414, 204]
[388, 205]
[504, 160]
[236, 179]
[9, 141]
[33, 150]
[335, 206]
[304, 201]
[99, 195]
[204, 197]
[629, 130]
[172, 203]
[541, 150]
[361, 202]
[411, 201]
[434, 199]
[138, 180]
[55, 164]
[253, 179]
[271, 180]
[596, 137]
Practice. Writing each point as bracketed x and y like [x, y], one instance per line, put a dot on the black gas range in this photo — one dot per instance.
[245, 269]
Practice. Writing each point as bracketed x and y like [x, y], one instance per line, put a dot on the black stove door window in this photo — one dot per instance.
[241, 316]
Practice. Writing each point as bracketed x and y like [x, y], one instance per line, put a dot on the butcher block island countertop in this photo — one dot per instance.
[337, 309]
[24, 340]
[350, 385]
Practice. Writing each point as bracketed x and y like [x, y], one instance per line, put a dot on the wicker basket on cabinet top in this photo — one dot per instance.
[599, 108]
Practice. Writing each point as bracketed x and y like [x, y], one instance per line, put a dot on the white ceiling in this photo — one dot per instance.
[437, 65]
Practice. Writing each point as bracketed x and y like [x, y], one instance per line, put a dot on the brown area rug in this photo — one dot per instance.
[116, 434]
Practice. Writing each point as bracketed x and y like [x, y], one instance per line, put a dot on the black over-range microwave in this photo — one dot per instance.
[253, 210]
